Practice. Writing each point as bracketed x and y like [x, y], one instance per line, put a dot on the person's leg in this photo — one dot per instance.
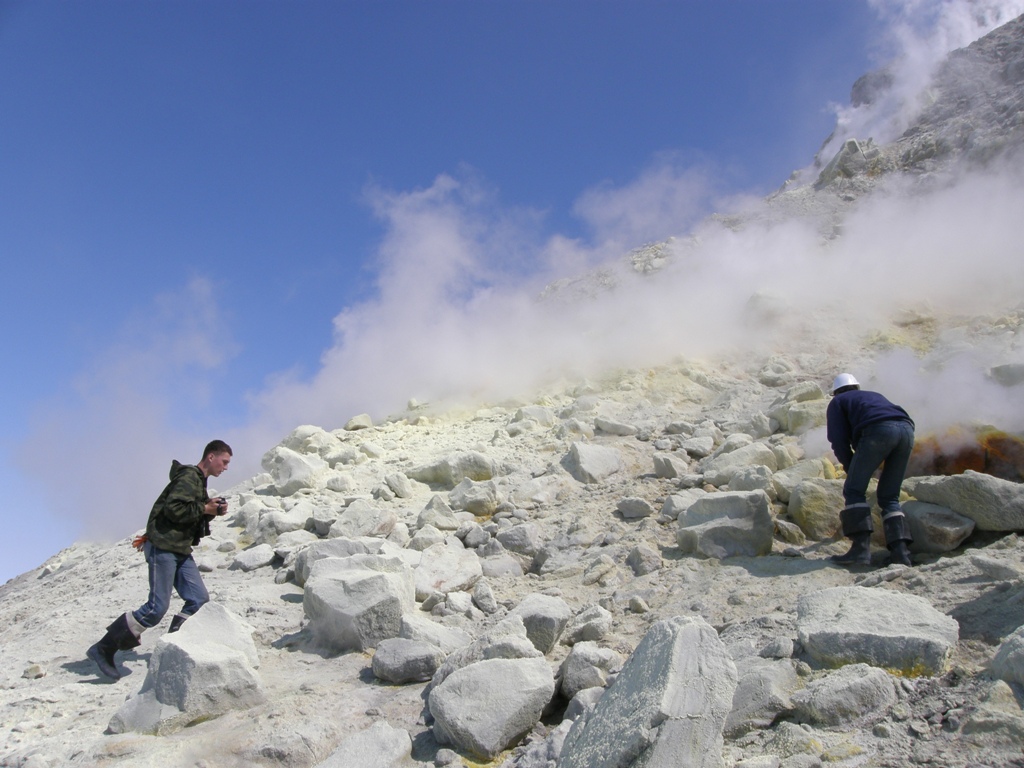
[124, 632]
[897, 532]
[189, 584]
[163, 567]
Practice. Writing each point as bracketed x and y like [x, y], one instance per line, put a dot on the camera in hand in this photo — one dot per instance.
[222, 505]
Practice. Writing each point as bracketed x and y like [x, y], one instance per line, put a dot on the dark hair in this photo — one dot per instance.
[216, 446]
[847, 388]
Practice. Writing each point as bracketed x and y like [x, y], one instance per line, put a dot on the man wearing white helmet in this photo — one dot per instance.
[867, 432]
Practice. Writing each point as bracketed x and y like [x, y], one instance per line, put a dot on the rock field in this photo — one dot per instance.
[628, 570]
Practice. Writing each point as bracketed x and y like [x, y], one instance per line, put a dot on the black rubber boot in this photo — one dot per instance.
[897, 538]
[857, 526]
[176, 621]
[119, 637]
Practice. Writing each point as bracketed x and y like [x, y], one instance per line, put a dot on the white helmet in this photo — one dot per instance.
[844, 380]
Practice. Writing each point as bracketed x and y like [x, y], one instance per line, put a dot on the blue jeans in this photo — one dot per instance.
[166, 570]
[887, 444]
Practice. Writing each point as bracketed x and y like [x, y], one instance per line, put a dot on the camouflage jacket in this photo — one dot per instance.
[177, 522]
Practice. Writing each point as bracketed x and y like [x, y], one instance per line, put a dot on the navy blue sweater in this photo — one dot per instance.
[851, 411]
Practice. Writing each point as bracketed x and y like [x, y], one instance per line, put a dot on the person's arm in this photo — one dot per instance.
[838, 432]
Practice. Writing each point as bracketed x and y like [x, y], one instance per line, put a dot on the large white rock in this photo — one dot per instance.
[786, 480]
[505, 640]
[993, 504]
[718, 470]
[438, 514]
[587, 666]
[361, 518]
[450, 471]
[591, 463]
[489, 706]
[446, 567]
[355, 602]
[418, 627]
[727, 524]
[399, 660]
[479, 498]
[895, 631]
[203, 670]
[340, 547]
[763, 693]
[666, 708]
[1008, 663]
[379, 746]
[293, 471]
[844, 695]
[935, 528]
[544, 617]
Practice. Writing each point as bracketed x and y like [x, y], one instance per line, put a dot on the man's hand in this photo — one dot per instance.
[215, 507]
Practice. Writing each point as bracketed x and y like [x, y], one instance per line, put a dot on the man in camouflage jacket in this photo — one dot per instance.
[179, 518]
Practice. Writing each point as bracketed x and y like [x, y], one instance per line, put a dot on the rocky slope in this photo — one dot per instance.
[540, 553]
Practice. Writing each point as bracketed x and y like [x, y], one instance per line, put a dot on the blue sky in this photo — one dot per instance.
[196, 198]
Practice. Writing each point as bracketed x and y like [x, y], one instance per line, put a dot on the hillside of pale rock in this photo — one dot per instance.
[630, 570]
[582, 545]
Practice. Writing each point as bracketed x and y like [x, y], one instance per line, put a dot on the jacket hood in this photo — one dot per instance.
[177, 468]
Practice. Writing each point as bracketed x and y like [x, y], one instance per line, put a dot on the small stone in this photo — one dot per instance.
[33, 672]
[638, 605]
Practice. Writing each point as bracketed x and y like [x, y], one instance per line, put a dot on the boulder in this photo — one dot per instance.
[807, 415]
[698, 447]
[401, 485]
[425, 537]
[936, 529]
[587, 666]
[613, 427]
[545, 617]
[844, 695]
[593, 622]
[524, 539]
[591, 463]
[293, 471]
[253, 558]
[203, 670]
[399, 660]
[505, 640]
[669, 466]
[415, 626]
[678, 503]
[634, 508]
[438, 514]
[452, 470]
[539, 414]
[727, 524]
[756, 478]
[993, 504]
[446, 567]
[362, 421]
[1008, 663]
[539, 491]
[479, 498]
[786, 480]
[719, 470]
[361, 518]
[814, 505]
[339, 547]
[666, 707]
[895, 631]
[355, 602]
[644, 559]
[487, 707]
[379, 746]
[763, 692]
